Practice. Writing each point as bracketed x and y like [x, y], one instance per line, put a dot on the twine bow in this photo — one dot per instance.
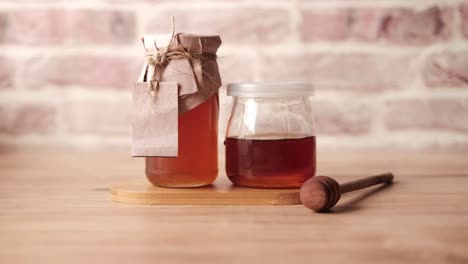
[159, 57]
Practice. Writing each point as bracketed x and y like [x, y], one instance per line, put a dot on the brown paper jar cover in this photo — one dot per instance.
[197, 78]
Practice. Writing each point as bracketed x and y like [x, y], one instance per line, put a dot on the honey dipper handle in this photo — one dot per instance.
[366, 182]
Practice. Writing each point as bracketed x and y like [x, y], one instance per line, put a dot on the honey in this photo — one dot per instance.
[197, 161]
[270, 163]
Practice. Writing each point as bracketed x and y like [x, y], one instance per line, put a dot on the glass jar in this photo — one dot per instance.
[270, 138]
[197, 160]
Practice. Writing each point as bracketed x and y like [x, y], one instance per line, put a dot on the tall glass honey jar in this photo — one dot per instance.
[177, 132]
[197, 161]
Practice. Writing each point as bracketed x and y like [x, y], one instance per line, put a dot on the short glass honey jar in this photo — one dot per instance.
[270, 139]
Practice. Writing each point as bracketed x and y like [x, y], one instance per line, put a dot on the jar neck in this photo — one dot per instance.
[271, 99]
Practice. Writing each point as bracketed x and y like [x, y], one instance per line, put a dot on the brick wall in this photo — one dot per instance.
[388, 73]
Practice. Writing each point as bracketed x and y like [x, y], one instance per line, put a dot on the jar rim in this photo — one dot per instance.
[270, 89]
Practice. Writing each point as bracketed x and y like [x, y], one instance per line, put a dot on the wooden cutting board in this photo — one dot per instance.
[222, 192]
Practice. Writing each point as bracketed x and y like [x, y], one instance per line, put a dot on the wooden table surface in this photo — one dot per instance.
[55, 208]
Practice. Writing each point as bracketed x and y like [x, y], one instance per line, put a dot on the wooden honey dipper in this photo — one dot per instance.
[321, 193]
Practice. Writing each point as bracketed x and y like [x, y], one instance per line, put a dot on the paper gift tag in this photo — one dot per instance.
[155, 121]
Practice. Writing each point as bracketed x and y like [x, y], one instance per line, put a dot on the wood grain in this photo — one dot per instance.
[222, 192]
[55, 207]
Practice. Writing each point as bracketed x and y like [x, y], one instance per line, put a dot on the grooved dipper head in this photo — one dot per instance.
[320, 193]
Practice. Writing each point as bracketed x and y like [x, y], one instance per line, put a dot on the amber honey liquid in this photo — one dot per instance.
[270, 163]
[197, 162]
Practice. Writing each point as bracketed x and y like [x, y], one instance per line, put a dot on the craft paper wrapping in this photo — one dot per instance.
[183, 85]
